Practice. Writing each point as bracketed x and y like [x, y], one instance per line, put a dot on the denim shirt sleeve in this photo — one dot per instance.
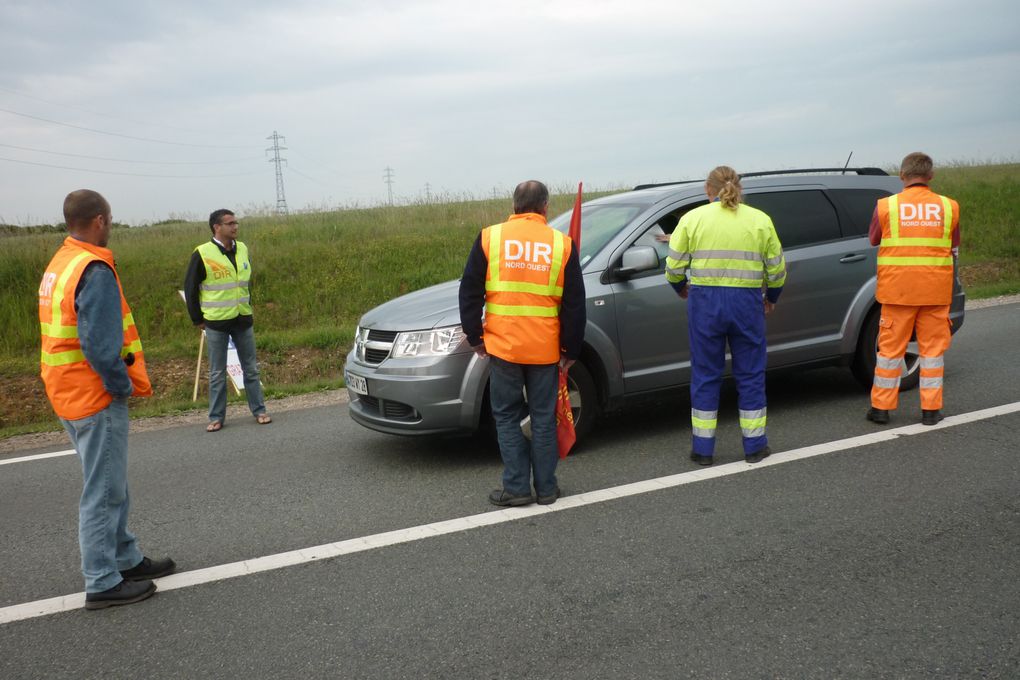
[101, 327]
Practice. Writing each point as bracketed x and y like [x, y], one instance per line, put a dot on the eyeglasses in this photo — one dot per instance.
[229, 224]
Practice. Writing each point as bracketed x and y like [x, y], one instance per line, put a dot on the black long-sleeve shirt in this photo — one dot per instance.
[572, 303]
[194, 278]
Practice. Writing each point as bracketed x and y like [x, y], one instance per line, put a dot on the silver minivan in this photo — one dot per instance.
[411, 371]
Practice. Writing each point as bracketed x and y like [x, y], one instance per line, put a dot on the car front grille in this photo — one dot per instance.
[389, 409]
[374, 345]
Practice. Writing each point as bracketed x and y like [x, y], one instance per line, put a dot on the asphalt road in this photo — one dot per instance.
[894, 559]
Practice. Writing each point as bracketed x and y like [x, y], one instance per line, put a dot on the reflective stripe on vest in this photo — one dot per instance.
[74, 389]
[896, 241]
[56, 328]
[495, 284]
[224, 293]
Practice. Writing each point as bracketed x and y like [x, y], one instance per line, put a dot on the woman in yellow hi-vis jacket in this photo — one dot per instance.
[727, 252]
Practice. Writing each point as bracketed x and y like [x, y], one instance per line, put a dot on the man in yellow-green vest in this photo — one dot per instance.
[217, 290]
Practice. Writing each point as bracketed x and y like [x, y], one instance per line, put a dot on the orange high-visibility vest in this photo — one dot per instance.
[915, 257]
[523, 289]
[75, 390]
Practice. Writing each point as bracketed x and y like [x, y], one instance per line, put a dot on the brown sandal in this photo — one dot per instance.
[263, 419]
[214, 426]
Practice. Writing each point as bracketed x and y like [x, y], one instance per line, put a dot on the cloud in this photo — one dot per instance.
[469, 97]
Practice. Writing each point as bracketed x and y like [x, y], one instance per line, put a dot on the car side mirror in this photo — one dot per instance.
[637, 259]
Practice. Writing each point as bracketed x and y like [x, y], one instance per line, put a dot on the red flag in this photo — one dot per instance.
[575, 221]
[565, 435]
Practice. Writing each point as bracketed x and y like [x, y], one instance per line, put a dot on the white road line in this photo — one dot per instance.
[187, 579]
[38, 456]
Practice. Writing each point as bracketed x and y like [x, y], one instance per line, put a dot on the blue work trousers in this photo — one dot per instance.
[107, 547]
[523, 459]
[717, 315]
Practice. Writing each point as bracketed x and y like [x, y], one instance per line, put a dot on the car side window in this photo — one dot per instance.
[860, 206]
[801, 218]
[657, 235]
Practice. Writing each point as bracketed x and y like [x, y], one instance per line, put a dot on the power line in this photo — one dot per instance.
[101, 114]
[127, 174]
[317, 164]
[126, 160]
[291, 168]
[117, 134]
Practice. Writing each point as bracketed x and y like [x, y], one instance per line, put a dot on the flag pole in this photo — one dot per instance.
[575, 219]
[198, 366]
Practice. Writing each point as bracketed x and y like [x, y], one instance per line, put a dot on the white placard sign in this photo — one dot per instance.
[234, 366]
[233, 362]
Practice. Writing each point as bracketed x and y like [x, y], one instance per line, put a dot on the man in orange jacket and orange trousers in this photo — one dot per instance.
[91, 362]
[918, 234]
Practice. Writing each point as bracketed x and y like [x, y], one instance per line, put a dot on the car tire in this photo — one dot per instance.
[584, 399]
[867, 346]
[584, 402]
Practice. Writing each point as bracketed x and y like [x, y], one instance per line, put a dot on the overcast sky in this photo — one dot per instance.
[165, 106]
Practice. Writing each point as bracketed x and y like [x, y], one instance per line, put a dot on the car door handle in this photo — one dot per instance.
[852, 258]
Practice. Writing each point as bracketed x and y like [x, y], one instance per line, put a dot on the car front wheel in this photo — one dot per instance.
[584, 402]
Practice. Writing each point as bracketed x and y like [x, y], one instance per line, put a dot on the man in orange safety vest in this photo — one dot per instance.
[526, 278]
[91, 362]
[918, 235]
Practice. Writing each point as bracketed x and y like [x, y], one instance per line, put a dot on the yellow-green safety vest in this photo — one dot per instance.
[717, 246]
[223, 295]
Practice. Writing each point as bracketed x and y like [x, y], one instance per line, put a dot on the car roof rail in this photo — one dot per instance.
[769, 173]
[665, 184]
[814, 171]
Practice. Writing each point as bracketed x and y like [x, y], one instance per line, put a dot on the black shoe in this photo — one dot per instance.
[504, 499]
[758, 456]
[701, 460]
[147, 569]
[879, 416]
[125, 592]
[551, 498]
[931, 417]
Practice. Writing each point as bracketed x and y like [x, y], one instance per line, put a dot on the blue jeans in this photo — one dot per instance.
[107, 547]
[244, 342]
[521, 458]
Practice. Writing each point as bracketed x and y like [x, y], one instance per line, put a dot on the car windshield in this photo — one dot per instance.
[599, 224]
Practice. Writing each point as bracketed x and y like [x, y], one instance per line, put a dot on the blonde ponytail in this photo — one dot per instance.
[725, 183]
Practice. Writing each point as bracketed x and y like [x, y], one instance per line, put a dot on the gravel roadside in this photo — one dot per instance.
[198, 417]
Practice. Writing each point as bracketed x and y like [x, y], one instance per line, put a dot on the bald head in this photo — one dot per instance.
[531, 197]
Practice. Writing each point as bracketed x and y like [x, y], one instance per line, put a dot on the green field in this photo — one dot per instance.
[315, 274]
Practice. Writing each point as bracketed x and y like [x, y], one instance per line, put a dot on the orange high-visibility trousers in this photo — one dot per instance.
[932, 327]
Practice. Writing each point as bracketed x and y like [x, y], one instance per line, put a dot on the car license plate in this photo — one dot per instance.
[356, 383]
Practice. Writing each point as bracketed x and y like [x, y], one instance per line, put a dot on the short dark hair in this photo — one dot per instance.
[216, 215]
[917, 164]
[530, 197]
[81, 206]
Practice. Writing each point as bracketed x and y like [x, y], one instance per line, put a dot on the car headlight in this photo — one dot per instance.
[436, 342]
